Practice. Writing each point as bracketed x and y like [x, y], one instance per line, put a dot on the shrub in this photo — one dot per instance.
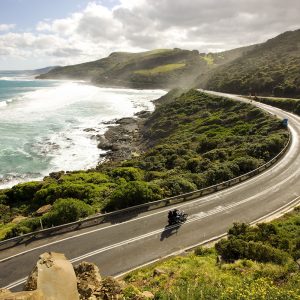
[85, 177]
[23, 192]
[133, 193]
[128, 173]
[177, 185]
[87, 192]
[235, 248]
[66, 211]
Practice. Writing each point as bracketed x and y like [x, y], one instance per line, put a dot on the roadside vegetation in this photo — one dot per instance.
[291, 105]
[267, 270]
[191, 141]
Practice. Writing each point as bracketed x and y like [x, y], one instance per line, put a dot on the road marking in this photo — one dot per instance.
[201, 201]
[295, 140]
[129, 241]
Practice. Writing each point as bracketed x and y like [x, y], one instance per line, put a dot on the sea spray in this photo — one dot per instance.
[43, 127]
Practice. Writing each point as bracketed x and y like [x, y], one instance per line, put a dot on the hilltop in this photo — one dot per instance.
[271, 68]
[160, 68]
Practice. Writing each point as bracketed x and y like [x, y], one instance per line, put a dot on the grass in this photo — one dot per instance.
[4, 228]
[161, 69]
[197, 276]
[209, 59]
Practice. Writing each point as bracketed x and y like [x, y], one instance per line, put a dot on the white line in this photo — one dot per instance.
[126, 242]
[201, 200]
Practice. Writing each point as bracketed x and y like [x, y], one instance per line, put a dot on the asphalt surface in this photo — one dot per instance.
[117, 248]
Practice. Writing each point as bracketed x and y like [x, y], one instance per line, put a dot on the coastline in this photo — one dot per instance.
[123, 140]
[115, 138]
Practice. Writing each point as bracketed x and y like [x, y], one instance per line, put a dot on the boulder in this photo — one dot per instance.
[54, 276]
[88, 280]
[44, 209]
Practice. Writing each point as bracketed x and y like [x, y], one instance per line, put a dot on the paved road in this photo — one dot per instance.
[117, 248]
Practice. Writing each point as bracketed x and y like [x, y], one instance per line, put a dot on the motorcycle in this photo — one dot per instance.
[177, 217]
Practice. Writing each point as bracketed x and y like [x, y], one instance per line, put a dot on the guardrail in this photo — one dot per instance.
[128, 213]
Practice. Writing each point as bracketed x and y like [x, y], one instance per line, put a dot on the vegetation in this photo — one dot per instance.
[160, 68]
[198, 276]
[193, 141]
[291, 105]
[271, 68]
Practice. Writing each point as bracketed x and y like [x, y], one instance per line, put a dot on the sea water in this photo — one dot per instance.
[48, 126]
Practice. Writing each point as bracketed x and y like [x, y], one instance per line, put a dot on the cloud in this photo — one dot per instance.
[7, 27]
[136, 25]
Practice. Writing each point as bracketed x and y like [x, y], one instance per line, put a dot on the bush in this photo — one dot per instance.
[24, 227]
[86, 192]
[66, 211]
[23, 192]
[128, 173]
[177, 185]
[235, 248]
[133, 193]
[85, 177]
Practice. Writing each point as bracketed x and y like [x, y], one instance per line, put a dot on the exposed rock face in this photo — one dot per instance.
[88, 280]
[54, 276]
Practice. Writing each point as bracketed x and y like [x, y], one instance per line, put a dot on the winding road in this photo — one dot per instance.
[119, 247]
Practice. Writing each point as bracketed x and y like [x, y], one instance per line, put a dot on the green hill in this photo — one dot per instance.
[161, 68]
[271, 68]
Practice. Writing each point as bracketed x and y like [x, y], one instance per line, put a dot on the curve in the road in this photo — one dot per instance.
[119, 247]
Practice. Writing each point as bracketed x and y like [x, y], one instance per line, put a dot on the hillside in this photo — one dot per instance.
[271, 68]
[191, 141]
[268, 270]
[161, 68]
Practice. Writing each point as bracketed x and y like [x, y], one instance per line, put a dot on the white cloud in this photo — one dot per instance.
[7, 27]
[135, 25]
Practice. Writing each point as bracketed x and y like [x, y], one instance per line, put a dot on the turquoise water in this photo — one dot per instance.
[42, 123]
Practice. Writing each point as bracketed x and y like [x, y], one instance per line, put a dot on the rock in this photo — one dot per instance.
[89, 129]
[31, 283]
[143, 114]
[32, 295]
[147, 295]
[125, 121]
[111, 289]
[88, 280]
[18, 219]
[54, 276]
[158, 272]
[44, 209]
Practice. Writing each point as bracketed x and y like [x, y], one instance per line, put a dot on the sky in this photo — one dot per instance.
[40, 33]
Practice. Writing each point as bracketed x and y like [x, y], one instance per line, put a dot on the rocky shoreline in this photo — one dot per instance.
[123, 139]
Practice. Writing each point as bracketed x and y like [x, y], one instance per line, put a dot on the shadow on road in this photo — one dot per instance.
[169, 231]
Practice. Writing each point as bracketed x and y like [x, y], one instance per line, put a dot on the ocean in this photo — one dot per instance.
[43, 122]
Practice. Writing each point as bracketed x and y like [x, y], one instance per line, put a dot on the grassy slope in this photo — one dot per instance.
[270, 68]
[197, 276]
[160, 68]
[193, 141]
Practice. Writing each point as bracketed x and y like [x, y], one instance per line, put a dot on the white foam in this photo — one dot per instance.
[58, 115]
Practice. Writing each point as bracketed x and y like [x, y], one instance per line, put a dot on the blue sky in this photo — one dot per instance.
[40, 33]
[26, 13]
